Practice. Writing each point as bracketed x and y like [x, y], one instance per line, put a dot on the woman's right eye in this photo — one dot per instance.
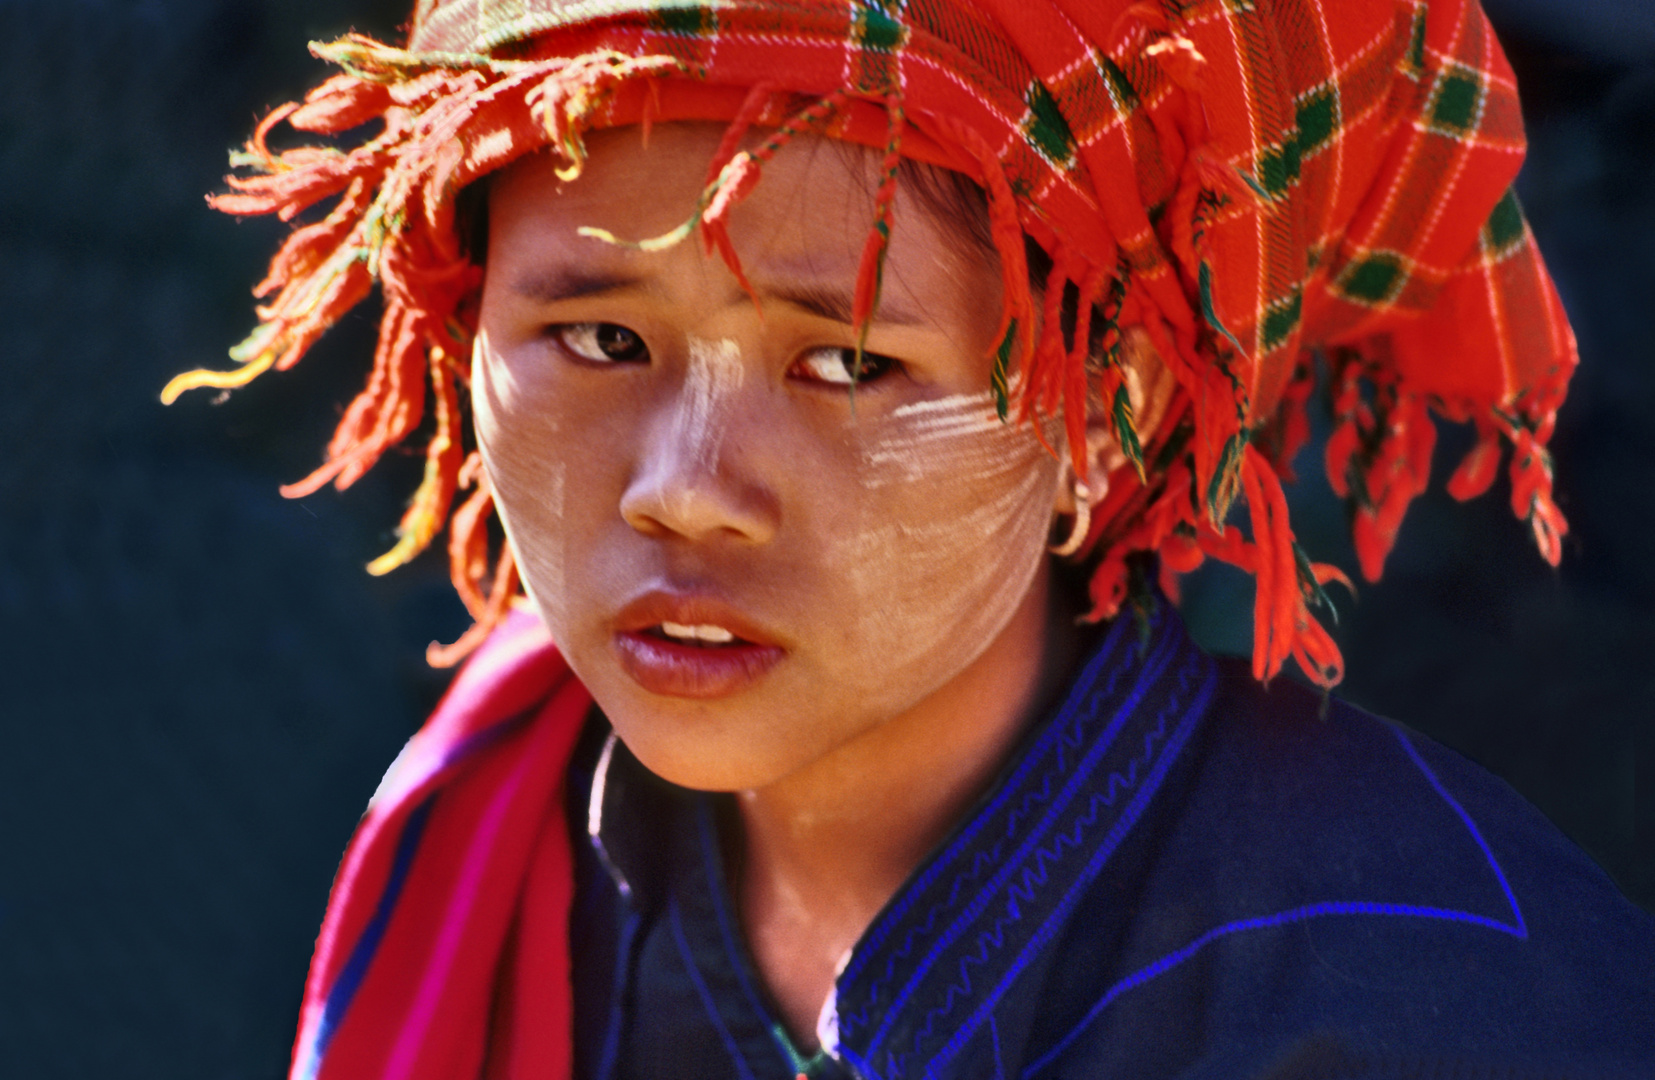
[837, 366]
[602, 342]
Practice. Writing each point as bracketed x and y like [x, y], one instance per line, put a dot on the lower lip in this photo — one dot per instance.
[693, 671]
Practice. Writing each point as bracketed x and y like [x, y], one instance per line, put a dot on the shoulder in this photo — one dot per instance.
[1334, 799]
[1319, 888]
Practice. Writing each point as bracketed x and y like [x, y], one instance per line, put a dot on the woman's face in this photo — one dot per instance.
[748, 565]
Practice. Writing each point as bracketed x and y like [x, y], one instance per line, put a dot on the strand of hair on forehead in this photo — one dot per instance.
[731, 175]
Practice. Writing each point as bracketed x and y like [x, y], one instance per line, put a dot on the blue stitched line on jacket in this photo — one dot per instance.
[706, 994]
[1522, 928]
[1123, 825]
[612, 1036]
[1148, 678]
[1517, 930]
[351, 975]
[981, 861]
[864, 1068]
[1063, 736]
[1309, 911]
[1059, 738]
[1032, 878]
[1069, 711]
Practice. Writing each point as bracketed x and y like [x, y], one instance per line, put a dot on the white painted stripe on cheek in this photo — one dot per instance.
[950, 536]
[715, 374]
[529, 487]
[961, 435]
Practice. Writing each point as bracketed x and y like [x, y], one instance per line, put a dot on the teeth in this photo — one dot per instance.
[715, 635]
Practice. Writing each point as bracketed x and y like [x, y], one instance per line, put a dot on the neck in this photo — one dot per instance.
[824, 849]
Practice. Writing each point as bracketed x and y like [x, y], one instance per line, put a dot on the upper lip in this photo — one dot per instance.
[691, 607]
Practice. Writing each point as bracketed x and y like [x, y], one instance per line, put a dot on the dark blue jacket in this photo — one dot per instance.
[1179, 874]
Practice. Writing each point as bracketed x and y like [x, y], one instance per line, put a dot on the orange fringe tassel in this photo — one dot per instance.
[446, 125]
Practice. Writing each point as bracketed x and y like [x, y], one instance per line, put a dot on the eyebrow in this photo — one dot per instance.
[836, 304]
[818, 298]
[573, 283]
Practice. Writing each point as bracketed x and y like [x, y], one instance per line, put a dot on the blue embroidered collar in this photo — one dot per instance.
[980, 914]
[1179, 872]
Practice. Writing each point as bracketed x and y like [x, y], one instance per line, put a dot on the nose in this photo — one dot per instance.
[691, 480]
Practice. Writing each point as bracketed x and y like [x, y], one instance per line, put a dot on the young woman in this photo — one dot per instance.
[851, 381]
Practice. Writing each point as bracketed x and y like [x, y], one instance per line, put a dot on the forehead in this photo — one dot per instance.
[810, 214]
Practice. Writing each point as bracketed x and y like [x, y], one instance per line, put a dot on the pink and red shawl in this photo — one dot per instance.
[444, 952]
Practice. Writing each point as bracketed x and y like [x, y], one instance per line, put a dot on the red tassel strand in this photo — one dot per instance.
[445, 120]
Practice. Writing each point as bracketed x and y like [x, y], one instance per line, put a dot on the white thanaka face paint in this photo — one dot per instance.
[714, 375]
[948, 536]
[926, 437]
[527, 486]
[883, 550]
[676, 483]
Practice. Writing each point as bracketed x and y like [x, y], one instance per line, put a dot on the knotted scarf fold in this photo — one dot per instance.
[1254, 182]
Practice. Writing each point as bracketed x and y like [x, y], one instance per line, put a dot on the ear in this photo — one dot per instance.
[1150, 385]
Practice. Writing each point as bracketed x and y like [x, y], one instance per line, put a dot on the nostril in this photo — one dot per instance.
[697, 504]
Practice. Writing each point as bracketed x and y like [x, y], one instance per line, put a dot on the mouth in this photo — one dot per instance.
[692, 647]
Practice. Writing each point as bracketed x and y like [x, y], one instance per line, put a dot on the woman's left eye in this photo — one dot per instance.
[836, 366]
[602, 343]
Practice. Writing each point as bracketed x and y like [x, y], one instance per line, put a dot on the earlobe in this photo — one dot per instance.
[1079, 497]
[1150, 385]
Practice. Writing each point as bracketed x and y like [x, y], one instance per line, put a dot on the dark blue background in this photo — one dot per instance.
[199, 687]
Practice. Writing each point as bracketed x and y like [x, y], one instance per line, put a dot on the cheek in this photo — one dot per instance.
[950, 530]
[521, 438]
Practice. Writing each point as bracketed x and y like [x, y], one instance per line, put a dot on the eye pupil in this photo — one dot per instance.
[618, 343]
[872, 367]
[601, 343]
[837, 366]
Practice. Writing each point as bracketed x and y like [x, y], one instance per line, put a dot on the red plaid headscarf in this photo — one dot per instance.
[1249, 180]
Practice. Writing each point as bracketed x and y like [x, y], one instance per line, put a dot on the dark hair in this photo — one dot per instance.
[953, 199]
[471, 218]
[960, 205]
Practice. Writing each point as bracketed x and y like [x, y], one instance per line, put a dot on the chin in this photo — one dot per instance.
[701, 764]
[699, 745]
